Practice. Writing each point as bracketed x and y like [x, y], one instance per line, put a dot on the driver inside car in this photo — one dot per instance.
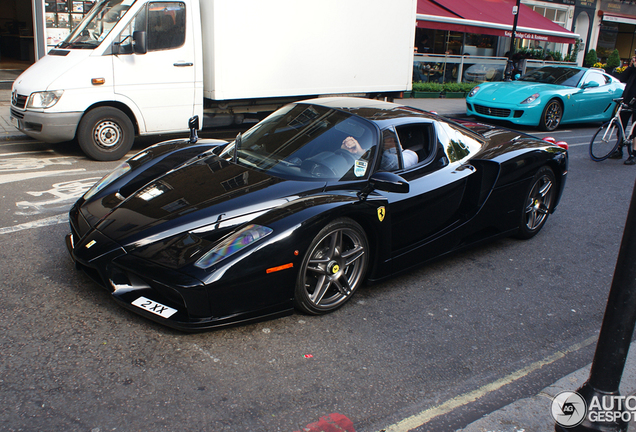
[389, 156]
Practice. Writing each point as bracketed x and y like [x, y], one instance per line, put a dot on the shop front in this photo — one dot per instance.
[468, 41]
[617, 29]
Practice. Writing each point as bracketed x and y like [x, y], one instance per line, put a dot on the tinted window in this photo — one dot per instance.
[166, 25]
[457, 144]
[308, 142]
[555, 75]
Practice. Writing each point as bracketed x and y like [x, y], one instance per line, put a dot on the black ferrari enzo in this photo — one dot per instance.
[305, 206]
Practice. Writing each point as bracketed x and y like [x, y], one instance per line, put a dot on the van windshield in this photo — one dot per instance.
[96, 25]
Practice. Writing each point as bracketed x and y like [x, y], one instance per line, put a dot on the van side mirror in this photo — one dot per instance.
[139, 42]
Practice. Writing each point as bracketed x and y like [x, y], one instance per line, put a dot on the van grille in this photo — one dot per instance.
[18, 100]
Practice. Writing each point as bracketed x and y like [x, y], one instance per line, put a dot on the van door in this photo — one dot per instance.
[161, 81]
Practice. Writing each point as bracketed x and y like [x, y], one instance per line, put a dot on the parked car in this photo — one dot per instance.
[204, 233]
[547, 97]
[484, 72]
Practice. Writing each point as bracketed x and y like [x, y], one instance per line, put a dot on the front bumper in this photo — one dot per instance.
[149, 289]
[528, 115]
[45, 126]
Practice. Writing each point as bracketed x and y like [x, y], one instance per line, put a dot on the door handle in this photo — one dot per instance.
[183, 64]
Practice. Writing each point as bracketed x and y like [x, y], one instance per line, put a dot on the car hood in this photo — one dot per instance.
[210, 192]
[513, 92]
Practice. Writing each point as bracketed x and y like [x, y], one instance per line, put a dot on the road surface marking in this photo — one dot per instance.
[425, 416]
[10, 178]
[53, 220]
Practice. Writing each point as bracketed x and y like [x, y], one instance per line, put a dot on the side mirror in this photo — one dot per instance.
[139, 42]
[590, 84]
[389, 182]
[193, 125]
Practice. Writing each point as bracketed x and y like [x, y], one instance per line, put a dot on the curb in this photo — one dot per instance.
[533, 414]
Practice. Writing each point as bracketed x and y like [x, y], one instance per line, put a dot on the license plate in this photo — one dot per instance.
[15, 122]
[154, 307]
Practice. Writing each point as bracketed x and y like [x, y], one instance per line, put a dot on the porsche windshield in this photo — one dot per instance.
[308, 142]
[101, 19]
[565, 76]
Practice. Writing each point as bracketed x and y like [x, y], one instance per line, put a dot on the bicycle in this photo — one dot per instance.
[612, 134]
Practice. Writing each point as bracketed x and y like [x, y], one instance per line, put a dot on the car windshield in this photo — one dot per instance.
[306, 142]
[564, 76]
[95, 26]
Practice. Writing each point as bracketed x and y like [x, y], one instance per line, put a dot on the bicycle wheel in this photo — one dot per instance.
[605, 141]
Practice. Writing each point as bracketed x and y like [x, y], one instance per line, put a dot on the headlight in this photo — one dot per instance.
[232, 244]
[107, 179]
[473, 92]
[531, 98]
[44, 99]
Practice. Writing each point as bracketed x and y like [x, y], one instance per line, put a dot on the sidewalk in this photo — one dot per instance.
[533, 414]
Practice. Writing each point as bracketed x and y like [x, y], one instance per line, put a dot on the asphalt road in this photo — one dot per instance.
[432, 349]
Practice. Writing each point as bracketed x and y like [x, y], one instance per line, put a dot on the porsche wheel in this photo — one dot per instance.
[551, 116]
[538, 203]
[333, 268]
[105, 134]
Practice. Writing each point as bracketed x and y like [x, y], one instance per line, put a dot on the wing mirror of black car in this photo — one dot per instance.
[193, 125]
[590, 84]
[387, 182]
[139, 42]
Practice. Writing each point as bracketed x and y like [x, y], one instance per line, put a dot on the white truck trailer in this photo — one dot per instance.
[142, 67]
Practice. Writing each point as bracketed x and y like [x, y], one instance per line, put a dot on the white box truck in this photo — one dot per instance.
[141, 67]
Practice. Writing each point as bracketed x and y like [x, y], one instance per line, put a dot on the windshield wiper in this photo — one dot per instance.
[83, 44]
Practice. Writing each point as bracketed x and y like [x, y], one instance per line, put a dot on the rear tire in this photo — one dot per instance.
[601, 149]
[105, 134]
[538, 203]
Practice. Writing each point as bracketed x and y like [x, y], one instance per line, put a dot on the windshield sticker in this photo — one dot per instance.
[360, 168]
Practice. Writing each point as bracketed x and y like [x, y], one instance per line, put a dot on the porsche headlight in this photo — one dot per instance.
[531, 99]
[45, 99]
[473, 92]
[107, 179]
[232, 244]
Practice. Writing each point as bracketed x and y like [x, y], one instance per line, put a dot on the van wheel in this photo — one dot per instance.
[105, 134]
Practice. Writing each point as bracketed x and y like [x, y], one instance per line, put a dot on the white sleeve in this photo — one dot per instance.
[409, 158]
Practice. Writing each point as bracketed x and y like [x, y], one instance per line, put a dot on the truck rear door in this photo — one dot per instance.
[160, 82]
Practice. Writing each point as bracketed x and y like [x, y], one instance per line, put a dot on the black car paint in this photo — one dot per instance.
[443, 211]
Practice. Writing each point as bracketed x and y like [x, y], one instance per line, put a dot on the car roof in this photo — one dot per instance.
[371, 109]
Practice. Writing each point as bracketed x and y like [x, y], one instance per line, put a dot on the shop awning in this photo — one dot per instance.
[492, 17]
[620, 18]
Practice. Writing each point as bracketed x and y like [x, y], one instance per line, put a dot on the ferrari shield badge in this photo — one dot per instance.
[381, 213]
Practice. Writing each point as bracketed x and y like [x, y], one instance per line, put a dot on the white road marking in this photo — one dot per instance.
[53, 220]
[10, 178]
[425, 416]
[63, 195]
[30, 153]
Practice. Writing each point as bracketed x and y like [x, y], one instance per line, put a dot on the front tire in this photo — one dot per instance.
[605, 141]
[105, 134]
[538, 203]
[551, 116]
[333, 268]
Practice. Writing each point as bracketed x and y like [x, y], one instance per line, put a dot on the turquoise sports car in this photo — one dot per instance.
[547, 97]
